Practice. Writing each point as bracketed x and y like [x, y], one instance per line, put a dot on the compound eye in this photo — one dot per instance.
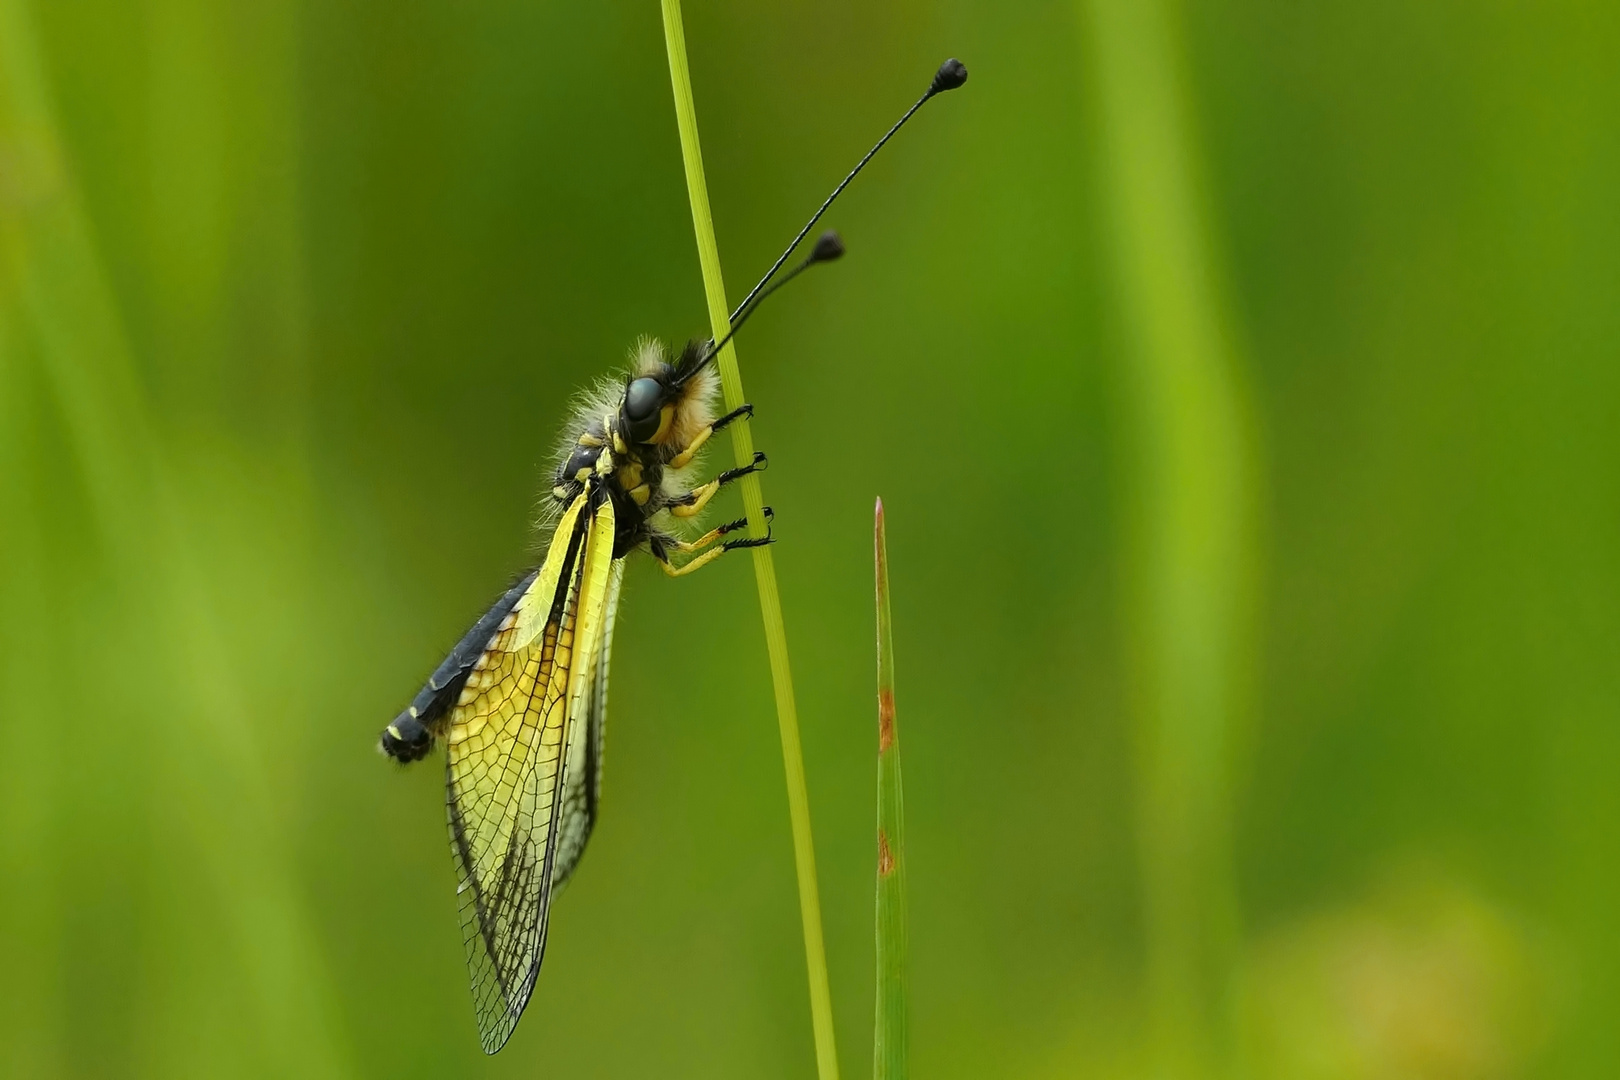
[642, 399]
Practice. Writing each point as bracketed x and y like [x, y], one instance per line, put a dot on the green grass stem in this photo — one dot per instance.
[770, 604]
[889, 1038]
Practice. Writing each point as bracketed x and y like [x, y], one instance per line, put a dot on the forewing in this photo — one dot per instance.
[506, 771]
[585, 746]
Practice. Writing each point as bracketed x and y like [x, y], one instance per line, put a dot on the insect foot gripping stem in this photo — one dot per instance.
[730, 545]
[693, 502]
[759, 464]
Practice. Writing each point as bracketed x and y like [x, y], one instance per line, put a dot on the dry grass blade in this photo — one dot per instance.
[889, 1041]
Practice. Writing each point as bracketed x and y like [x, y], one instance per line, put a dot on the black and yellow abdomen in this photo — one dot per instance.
[411, 735]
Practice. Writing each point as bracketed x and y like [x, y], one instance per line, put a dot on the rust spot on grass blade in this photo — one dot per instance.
[885, 856]
[885, 719]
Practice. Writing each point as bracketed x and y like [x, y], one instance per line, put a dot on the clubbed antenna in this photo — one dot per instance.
[951, 74]
[829, 246]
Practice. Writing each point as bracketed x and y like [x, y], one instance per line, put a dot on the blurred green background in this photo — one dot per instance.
[1241, 383]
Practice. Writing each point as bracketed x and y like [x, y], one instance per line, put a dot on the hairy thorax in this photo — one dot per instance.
[642, 477]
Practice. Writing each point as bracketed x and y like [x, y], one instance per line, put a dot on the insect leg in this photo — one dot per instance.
[687, 547]
[684, 458]
[714, 553]
[693, 502]
[661, 544]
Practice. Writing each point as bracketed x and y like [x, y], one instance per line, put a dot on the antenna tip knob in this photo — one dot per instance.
[829, 246]
[951, 74]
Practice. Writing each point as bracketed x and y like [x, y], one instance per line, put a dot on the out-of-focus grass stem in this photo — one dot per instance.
[770, 603]
[1191, 478]
[890, 1038]
[157, 631]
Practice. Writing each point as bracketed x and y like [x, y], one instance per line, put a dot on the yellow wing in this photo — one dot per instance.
[586, 743]
[506, 770]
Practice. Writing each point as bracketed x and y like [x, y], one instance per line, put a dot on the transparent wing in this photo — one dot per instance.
[585, 746]
[506, 770]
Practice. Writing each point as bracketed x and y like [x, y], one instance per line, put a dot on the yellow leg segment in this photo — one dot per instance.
[696, 564]
[695, 500]
[686, 547]
[684, 458]
[701, 497]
